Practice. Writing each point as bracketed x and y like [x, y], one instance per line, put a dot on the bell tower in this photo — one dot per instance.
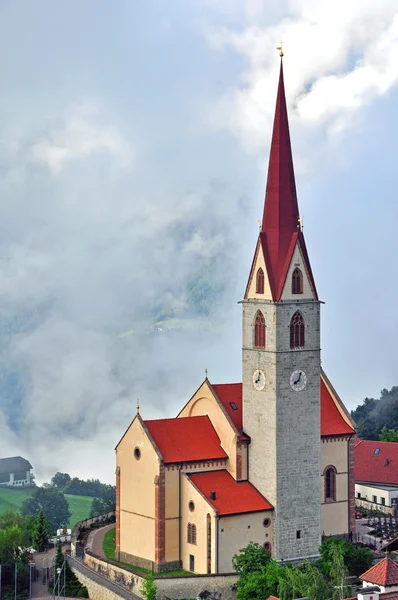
[281, 360]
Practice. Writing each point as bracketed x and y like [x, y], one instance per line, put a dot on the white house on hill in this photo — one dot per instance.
[15, 471]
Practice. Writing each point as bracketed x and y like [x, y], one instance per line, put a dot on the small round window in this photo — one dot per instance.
[137, 453]
[267, 522]
[191, 506]
[267, 546]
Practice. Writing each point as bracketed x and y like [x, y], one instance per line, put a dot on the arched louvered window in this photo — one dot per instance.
[193, 534]
[259, 330]
[189, 533]
[297, 281]
[297, 330]
[330, 484]
[260, 281]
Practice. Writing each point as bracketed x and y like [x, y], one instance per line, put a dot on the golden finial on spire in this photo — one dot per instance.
[259, 223]
[300, 223]
[138, 406]
[280, 50]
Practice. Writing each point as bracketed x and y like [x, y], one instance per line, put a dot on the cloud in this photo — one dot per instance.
[80, 135]
[339, 57]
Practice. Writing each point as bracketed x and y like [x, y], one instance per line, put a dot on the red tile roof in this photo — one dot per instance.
[279, 232]
[186, 439]
[227, 393]
[232, 497]
[389, 596]
[332, 422]
[381, 467]
[384, 573]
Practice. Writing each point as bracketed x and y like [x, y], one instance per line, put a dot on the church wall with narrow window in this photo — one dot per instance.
[259, 263]
[199, 518]
[335, 513]
[287, 293]
[137, 511]
[237, 531]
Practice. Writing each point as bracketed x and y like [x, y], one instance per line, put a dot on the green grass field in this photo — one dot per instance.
[13, 498]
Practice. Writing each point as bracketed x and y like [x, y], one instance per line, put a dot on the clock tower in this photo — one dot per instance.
[281, 361]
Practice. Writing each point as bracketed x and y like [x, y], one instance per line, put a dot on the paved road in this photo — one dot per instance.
[96, 538]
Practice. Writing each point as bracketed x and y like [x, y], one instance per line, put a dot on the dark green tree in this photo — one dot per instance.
[73, 587]
[53, 503]
[41, 532]
[60, 480]
[106, 502]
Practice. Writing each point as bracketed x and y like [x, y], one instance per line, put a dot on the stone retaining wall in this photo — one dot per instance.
[189, 586]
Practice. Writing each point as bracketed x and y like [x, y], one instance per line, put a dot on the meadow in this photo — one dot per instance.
[13, 498]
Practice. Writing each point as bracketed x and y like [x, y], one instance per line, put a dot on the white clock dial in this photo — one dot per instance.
[298, 380]
[259, 380]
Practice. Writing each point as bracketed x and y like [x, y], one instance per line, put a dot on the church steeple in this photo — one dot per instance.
[281, 231]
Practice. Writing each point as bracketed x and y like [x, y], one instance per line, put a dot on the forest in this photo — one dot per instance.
[377, 418]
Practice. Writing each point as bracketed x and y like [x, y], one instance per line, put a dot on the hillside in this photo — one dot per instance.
[13, 499]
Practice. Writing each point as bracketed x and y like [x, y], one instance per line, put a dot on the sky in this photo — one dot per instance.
[134, 140]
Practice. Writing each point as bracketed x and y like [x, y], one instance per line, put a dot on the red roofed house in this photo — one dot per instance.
[376, 474]
[268, 460]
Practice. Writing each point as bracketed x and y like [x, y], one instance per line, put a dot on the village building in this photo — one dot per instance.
[376, 475]
[15, 470]
[269, 459]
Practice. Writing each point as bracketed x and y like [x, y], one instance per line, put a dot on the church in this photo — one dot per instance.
[269, 460]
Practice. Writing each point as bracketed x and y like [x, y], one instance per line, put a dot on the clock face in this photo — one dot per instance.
[298, 380]
[259, 380]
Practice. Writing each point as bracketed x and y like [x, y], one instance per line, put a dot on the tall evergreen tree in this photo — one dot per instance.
[41, 532]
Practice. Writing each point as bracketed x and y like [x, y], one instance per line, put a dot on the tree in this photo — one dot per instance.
[106, 502]
[250, 559]
[148, 588]
[356, 560]
[338, 574]
[388, 435]
[73, 587]
[258, 574]
[41, 532]
[11, 539]
[304, 581]
[53, 503]
[60, 480]
[11, 518]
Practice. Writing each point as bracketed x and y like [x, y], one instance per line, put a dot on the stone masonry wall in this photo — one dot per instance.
[168, 587]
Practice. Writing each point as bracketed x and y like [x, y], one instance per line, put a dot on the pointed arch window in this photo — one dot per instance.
[330, 483]
[297, 281]
[259, 331]
[297, 331]
[260, 281]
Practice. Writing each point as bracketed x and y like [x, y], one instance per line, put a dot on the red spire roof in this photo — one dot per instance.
[384, 573]
[280, 229]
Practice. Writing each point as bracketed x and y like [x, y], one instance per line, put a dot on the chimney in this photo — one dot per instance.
[212, 495]
[369, 593]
